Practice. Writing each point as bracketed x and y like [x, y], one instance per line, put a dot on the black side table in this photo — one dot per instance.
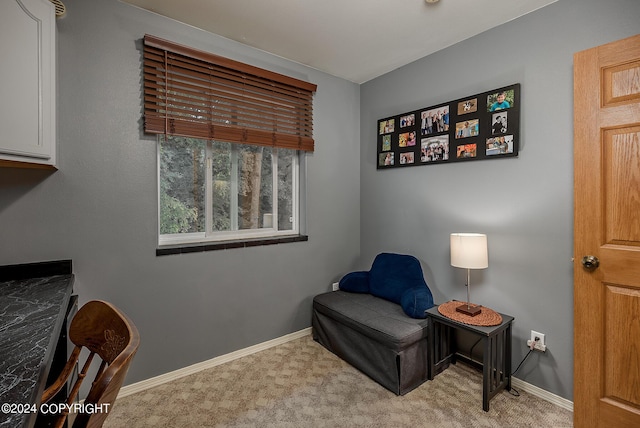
[496, 345]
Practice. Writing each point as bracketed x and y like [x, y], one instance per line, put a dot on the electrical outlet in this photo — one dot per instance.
[336, 286]
[540, 344]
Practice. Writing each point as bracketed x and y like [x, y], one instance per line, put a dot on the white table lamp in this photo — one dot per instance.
[469, 251]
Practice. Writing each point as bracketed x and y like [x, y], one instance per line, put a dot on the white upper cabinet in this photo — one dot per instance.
[27, 83]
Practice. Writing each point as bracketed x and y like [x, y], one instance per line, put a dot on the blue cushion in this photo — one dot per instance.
[355, 282]
[416, 300]
[392, 274]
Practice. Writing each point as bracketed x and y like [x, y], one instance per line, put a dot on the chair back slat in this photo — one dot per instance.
[104, 331]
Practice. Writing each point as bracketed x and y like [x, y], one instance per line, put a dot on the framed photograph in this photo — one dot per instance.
[387, 126]
[468, 128]
[408, 120]
[434, 149]
[407, 139]
[501, 100]
[457, 131]
[467, 106]
[499, 123]
[499, 145]
[385, 159]
[465, 151]
[407, 158]
[434, 121]
[386, 143]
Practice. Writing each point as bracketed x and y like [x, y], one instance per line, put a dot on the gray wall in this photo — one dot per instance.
[100, 208]
[523, 204]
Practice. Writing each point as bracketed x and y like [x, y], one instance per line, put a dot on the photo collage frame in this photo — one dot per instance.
[481, 126]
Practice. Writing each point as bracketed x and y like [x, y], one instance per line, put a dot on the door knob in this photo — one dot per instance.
[590, 262]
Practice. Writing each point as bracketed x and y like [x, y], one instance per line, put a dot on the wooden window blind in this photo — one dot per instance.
[192, 93]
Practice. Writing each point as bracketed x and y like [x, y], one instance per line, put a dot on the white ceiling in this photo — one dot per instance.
[357, 40]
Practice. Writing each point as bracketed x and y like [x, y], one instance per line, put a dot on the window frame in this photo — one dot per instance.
[211, 236]
[197, 94]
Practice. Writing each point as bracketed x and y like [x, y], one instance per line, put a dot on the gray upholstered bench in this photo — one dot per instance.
[374, 334]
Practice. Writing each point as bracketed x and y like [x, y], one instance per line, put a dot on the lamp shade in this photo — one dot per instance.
[469, 250]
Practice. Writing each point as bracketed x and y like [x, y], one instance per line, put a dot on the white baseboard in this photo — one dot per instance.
[195, 368]
[542, 393]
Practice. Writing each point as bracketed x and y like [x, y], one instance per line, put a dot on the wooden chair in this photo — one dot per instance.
[103, 330]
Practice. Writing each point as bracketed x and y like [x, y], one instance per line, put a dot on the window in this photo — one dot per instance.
[230, 140]
[212, 190]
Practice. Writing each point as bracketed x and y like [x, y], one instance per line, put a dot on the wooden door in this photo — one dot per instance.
[607, 226]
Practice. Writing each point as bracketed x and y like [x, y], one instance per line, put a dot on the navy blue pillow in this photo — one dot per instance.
[355, 282]
[392, 274]
[416, 300]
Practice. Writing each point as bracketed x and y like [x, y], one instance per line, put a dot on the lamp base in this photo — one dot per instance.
[469, 309]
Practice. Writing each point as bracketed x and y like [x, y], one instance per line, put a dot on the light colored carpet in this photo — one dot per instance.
[301, 384]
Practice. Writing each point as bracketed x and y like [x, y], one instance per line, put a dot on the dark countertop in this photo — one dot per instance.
[32, 312]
